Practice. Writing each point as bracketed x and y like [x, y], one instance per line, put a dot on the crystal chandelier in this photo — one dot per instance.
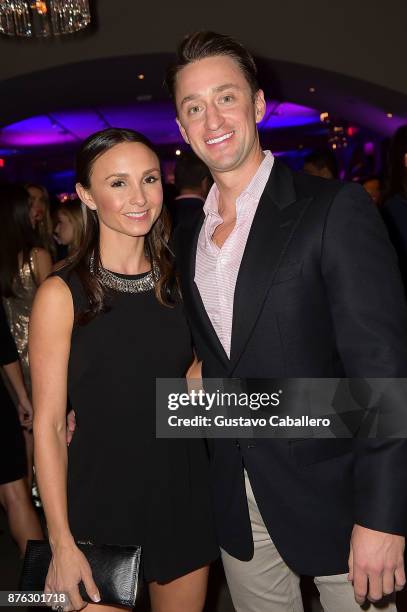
[43, 18]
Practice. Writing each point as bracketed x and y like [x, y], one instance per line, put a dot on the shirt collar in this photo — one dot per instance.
[254, 189]
[190, 196]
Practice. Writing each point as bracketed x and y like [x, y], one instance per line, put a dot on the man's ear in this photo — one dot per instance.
[85, 196]
[260, 105]
[182, 130]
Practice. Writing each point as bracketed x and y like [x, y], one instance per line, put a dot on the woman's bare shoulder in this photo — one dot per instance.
[53, 293]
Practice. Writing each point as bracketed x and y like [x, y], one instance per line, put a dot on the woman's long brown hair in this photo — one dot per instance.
[156, 241]
[17, 237]
[44, 228]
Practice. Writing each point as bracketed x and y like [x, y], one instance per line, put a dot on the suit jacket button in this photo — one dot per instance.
[237, 443]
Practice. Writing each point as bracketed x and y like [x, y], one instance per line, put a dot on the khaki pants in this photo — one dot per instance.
[267, 584]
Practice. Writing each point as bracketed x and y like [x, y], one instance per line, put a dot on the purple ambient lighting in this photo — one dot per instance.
[369, 148]
[8, 152]
[286, 115]
[154, 119]
[32, 132]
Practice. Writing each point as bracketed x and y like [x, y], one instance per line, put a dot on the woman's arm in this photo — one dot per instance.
[12, 368]
[49, 347]
[42, 264]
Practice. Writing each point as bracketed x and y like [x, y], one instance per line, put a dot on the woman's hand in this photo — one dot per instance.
[67, 569]
[24, 408]
[70, 426]
[194, 376]
[194, 371]
[25, 413]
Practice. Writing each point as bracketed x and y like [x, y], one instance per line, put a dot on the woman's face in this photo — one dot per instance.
[37, 204]
[125, 189]
[64, 230]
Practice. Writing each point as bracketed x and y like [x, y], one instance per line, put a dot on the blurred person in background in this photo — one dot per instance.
[372, 184]
[192, 182]
[14, 491]
[69, 227]
[321, 163]
[40, 216]
[23, 266]
[395, 205]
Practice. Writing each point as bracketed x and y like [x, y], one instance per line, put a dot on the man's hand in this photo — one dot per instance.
[70, 426]
[376, 563]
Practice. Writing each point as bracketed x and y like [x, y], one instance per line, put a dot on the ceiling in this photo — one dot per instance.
[56, 92]
[362, 40]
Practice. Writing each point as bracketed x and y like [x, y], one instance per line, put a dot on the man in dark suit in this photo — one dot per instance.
[321, 162]
[288, 275]
[192, 182]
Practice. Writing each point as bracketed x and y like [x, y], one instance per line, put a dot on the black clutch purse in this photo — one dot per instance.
[115, 570]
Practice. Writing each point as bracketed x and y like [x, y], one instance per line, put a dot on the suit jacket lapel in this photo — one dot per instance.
[192, 297]
[273, 224]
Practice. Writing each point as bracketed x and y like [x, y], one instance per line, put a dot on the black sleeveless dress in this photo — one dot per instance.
[124, 485]
[13, 461]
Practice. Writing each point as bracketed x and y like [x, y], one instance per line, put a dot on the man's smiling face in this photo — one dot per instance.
[217, 112]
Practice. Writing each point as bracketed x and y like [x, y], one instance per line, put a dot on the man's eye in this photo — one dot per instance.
[193, 110]
[227, 98]
[118, 183]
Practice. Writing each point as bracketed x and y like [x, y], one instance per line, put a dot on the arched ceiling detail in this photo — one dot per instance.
[362, 40]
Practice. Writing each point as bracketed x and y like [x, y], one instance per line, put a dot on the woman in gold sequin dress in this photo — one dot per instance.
[23, 266]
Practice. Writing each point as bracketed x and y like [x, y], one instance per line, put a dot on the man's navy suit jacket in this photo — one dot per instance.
[318, 295]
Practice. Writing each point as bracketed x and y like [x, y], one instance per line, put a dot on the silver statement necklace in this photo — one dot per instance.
[127, 285]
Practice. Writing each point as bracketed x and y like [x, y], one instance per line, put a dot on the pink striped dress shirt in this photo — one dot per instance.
[217, 268]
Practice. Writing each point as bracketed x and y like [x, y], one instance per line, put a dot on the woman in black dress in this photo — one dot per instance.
[104, 328]
[14, 491]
